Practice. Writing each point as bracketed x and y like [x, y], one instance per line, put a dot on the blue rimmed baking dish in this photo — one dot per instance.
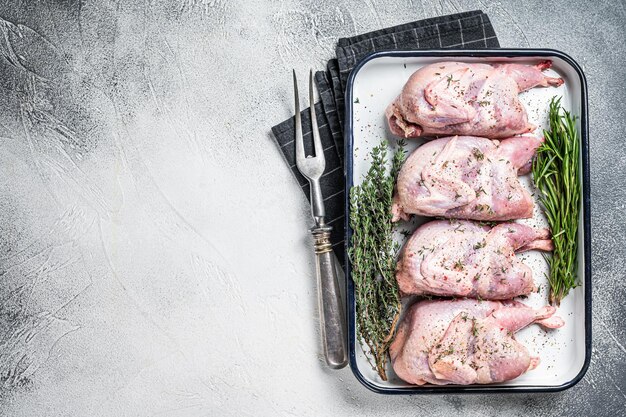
[373, 84]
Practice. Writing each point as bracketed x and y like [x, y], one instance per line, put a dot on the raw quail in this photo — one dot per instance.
[467, 177]
[466, 341]
[460, 98]
[468, 259]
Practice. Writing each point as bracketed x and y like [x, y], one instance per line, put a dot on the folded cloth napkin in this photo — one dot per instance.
[469, 30]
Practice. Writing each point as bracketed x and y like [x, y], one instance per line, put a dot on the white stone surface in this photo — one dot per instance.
[154, 258]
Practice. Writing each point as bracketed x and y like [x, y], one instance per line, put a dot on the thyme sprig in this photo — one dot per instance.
[373, 253]
[556, 174]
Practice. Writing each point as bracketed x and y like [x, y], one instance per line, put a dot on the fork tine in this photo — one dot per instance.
[319, 151]
[300, 157]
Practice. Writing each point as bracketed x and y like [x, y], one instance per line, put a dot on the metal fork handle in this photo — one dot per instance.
[332, 320]
[317, 202]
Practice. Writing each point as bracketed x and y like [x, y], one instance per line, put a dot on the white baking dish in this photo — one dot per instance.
[374, 83]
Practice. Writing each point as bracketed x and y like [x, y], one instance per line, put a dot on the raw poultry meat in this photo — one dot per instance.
[459, 98]
[467, 177]
[465, 341]
[466, 259]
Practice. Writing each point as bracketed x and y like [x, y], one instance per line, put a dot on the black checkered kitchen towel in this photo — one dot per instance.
[469, 30]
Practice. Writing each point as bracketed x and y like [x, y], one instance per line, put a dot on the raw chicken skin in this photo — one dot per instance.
[466, 259]
[465, 341]
[458, 98]
[467, 177]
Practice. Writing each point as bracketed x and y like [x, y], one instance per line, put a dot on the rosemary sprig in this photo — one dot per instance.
[372, 253]
[556, 175]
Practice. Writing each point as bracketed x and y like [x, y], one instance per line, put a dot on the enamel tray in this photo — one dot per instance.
[565, 353]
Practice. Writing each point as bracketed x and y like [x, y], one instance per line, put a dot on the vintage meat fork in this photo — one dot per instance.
[330, 307]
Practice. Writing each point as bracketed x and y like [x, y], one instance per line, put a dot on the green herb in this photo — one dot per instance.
[450, 80]
[556, 175]
[487, 223]
[474, 328]
[373, 253]
[480, 244]
[459, 265]
[478, 154]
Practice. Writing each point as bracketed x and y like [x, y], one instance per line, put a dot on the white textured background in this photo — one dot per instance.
[154, 258]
